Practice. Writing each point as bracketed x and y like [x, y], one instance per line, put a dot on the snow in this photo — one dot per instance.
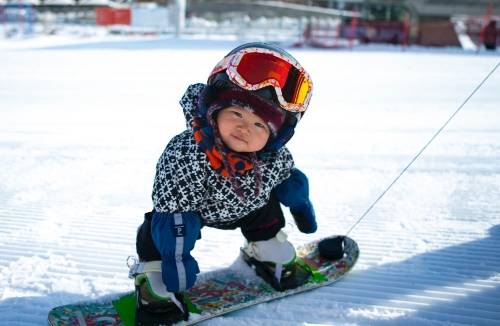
[84, 120]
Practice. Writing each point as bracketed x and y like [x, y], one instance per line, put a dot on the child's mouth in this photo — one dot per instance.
[238, 138]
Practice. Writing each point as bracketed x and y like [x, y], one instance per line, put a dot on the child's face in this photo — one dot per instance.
[241, 130]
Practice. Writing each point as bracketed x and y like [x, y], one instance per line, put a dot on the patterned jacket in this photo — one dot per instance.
[185, 181]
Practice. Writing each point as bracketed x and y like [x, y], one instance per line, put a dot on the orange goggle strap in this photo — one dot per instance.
[292, 83]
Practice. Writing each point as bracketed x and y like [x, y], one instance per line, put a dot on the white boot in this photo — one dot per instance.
[276, 251]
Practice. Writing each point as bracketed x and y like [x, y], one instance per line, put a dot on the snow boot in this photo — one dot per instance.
[154, 305]
[276, 262]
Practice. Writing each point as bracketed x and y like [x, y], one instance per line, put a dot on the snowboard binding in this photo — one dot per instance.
[159, 312]
[293, 275]
[154, 305]
[275, 260]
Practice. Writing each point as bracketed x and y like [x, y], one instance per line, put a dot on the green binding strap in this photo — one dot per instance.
[125, 307]
[317, 277]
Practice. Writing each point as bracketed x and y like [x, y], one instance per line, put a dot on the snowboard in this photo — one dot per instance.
[215, 293]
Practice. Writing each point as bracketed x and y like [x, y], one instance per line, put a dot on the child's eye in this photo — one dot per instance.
[260, 125]
[238, 114]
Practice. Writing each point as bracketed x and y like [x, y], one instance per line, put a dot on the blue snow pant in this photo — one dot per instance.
[157, 235]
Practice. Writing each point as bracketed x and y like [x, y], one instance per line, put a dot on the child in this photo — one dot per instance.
[229, 169]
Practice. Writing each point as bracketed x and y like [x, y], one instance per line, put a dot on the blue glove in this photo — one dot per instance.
[294, 193]
[174, 235]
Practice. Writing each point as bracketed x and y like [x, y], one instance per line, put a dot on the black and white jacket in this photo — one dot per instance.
[185, 180]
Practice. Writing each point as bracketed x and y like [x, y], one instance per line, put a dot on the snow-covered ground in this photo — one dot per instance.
[83, 122]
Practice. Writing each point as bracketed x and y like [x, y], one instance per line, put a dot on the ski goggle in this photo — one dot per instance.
[255, 68]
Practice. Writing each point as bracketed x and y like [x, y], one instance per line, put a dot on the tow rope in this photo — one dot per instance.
[428, 143]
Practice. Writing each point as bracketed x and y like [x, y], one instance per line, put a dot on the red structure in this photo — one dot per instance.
[112, 16]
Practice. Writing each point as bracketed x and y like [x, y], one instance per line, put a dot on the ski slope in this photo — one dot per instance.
[83, 122]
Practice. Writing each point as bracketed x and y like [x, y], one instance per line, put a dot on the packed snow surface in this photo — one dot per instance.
[83, 123]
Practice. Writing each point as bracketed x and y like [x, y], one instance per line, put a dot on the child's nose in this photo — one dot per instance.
[244, 128]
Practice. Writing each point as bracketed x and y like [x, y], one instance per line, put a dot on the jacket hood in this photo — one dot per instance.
[198, 98]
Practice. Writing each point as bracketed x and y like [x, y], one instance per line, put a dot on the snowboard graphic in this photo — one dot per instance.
[215, 293]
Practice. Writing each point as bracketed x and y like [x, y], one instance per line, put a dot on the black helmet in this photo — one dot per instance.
[270, 73]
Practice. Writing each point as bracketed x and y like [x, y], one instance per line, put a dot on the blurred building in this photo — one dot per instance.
[378, 20]
[386, 10]
[429, 22]
[379, 10]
